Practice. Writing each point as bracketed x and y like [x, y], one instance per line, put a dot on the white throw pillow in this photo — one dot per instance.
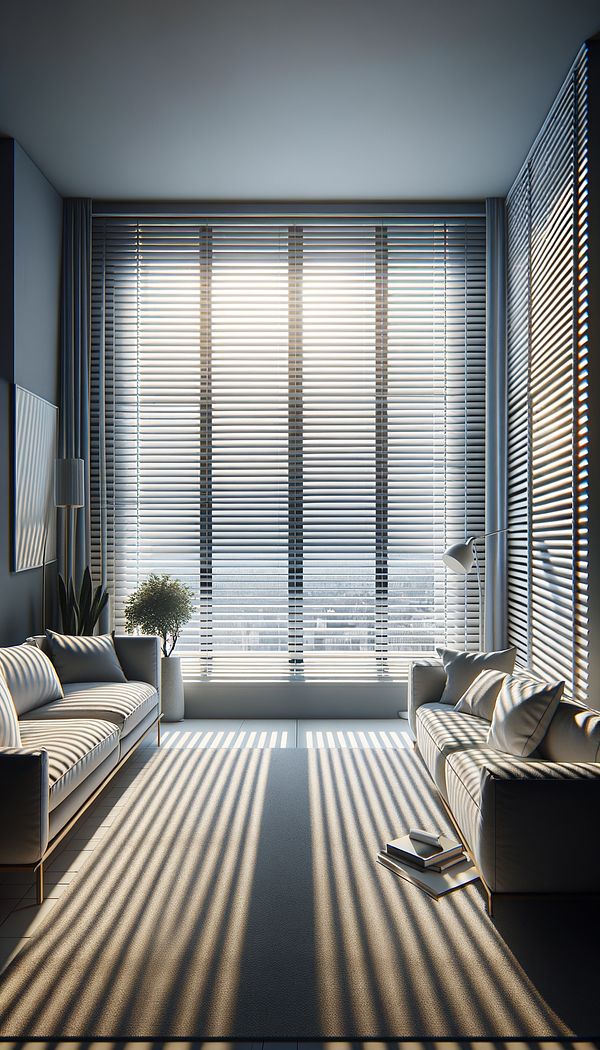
[523, 712]
[10, 734]
[462, 669]
[480, 698]
[30, 677]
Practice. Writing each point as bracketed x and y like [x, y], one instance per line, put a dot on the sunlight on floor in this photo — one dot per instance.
[20, 916]
[388, 734]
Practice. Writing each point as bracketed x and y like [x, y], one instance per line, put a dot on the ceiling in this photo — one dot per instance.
[283, 99]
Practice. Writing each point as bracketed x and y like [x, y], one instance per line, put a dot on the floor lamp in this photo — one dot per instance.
[69, 493]
[47, 519]
[460, 557]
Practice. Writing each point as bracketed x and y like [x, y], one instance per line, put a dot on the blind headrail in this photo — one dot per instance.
[288, 211]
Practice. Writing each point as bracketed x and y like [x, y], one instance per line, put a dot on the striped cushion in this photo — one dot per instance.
[463, 777]
[440, 731]
[30, 677]
[123, 705]
[9, 723]
[522, 714]
[463, 668]
[573, 734]
[75, 748]
[480, 697]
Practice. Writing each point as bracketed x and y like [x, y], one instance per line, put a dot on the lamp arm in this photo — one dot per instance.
[484, 535]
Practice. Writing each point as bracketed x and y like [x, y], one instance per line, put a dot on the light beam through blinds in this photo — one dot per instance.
[547, 221]
[290, 418]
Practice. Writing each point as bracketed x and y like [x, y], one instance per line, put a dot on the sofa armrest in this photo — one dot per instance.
[139, 656]
[426, 681]
[537, 830]
[24, 787]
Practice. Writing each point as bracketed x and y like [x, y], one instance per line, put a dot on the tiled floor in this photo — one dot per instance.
[19, 915]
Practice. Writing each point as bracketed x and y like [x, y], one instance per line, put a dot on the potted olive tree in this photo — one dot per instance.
[162, 605]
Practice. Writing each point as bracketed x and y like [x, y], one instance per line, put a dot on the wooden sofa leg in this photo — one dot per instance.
[158, 733]
[490, 903]
[39, 883]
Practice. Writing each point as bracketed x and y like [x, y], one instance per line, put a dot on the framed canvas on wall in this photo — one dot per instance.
[35, 443]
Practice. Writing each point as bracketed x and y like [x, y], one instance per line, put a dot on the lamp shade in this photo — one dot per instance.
[459, 557]
[69, 488]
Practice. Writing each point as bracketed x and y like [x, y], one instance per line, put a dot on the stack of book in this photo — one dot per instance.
[423, 850]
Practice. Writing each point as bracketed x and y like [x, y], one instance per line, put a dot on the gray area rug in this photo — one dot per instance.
[237, 895]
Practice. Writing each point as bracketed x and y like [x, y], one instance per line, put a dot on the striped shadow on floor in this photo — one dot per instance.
[386, 734]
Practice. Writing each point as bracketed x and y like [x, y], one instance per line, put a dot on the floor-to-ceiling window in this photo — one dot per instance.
[548, 385]
[289, 416]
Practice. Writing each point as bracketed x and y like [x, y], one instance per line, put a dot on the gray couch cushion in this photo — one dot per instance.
[138, 655]
[75, 748]
[85, 659]
[80, 794]
[9, 723]
[462, 669]
[440, 731]
[426, 682]
[480, 697]
[130, 740]
[125, 705]
[463, 781]
[30, 676]
[523, 712]
[573, 735]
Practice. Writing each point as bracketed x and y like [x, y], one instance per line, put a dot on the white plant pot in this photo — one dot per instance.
[171, 688]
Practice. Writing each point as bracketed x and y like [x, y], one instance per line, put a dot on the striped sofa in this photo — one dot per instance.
[70, 747]
[528, 823]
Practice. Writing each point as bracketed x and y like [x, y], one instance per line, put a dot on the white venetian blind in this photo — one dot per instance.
[290, 418]
[338, 297]
[146, 407]
[434, 401]
[548, 394]
[248, 450]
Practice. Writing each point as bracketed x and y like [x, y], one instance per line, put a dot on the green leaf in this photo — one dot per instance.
[85, 597]
[80, 613]
[98, 603]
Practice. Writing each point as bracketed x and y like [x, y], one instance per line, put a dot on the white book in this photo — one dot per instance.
[424, 854]
[434, 883]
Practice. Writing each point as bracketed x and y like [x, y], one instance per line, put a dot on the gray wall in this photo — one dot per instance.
[30, 259]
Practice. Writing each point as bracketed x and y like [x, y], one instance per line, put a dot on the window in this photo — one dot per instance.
[290, 418]
[547, 214]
